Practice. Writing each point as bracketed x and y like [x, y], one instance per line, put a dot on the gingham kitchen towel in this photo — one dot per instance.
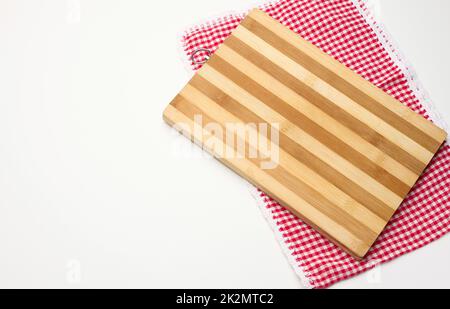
[347, 30]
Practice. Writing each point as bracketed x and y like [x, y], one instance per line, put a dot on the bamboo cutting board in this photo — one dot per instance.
[325, 143]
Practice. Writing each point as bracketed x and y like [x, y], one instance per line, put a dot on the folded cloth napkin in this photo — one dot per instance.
[347, 30]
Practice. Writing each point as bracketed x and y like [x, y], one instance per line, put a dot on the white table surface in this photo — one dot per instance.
[90, 193]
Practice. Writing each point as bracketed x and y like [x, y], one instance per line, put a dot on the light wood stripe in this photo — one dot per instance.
[342, 85]
[311, 128]
[325, 105]
[377, 124]
[270, 85]
[217, 114]
[295, 150]
[297, 47]
[305, 210]
[348, 153]
[291, 130]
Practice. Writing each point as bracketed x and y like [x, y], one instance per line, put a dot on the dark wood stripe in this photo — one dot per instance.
[297, 151]
[326, 106]
[342, 85]
[309, 126]
[295, 185]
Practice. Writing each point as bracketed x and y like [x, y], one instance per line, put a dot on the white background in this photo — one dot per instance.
[90, 193]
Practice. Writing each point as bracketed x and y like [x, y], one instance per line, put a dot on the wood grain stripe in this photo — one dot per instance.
[321, 151]
[363, 92]
[314, 121]
[297, 151]
[377, 124]
[311, 128]
[342, 85]
[365, 132]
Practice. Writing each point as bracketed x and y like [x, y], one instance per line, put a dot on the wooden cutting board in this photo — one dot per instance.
[325, 143]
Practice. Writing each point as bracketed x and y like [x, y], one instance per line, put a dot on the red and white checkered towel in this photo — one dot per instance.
[346, 30]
